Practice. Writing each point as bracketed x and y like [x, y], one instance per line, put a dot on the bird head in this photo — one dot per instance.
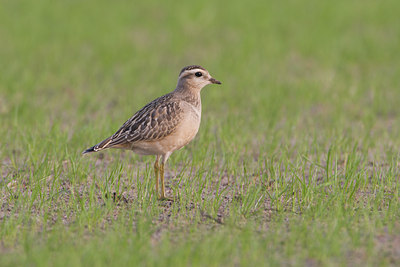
[195, 78]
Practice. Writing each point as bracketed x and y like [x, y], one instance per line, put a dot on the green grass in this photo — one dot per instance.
[296, 161]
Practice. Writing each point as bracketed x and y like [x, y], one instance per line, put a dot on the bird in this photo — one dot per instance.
[164, 125]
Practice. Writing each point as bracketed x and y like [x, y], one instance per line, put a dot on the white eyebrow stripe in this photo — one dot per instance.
[192, 71]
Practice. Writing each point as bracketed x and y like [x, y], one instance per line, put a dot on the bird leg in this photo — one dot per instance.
[162, 181]
[161, 171]
[157, 172]
[163, 197]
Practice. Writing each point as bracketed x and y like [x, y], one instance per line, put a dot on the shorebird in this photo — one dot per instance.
[164, 125]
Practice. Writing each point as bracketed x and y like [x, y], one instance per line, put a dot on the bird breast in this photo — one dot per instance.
[190, 123]
[187, 129]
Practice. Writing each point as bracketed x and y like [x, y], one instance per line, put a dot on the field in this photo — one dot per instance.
[296, 162]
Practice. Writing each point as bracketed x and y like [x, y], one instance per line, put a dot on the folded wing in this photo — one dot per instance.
[154, 121]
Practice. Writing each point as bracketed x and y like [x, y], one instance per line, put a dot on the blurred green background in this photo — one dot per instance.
[76, 61]
[301, 80]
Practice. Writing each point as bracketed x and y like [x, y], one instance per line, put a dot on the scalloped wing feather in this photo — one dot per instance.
[154, 121]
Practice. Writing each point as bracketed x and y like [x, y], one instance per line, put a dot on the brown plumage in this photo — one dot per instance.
[154, 121]
[164, 125]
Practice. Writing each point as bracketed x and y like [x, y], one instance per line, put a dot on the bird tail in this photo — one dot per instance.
[89, 150]
[100, 146]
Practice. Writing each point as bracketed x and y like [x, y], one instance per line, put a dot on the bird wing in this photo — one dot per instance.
[154, 121]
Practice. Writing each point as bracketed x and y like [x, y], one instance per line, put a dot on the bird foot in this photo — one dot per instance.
[164, 198]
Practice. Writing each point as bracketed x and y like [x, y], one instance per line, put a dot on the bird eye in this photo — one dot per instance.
[198, 74]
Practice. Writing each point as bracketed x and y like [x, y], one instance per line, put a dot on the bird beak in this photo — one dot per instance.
[212, 80]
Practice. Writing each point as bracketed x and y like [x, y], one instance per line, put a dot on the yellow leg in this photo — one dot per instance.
[163, 197]
[157, 173]
[162, 181]
[161, 174]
